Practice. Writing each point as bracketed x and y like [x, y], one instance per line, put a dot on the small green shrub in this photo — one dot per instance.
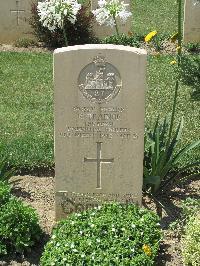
[5, 170]
[5, 193]
[79, 33]
[113, 234]
[190, 207]
[19, 229]
[190, 74]
[193, 47]
[190, 241]
[123, 39]
[25, 42]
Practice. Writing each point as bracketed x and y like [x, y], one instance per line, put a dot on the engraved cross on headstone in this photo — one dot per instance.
[99, 161]
[17, 11]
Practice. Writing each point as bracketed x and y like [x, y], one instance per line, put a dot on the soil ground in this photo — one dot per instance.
[39, 193]
[166, 48]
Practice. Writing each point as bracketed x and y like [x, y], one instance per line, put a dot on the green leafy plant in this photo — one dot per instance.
[122, 39]
[79, 33]
[161, 155]
[190, 73]
[5, 172]
[113, 234]
[19, 229]
[190, 207]
[25, 42]
[192, 47]
[190, 241]
[5, 193]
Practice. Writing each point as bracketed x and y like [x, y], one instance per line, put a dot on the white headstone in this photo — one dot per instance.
[192, 21]
[99, 125]
[14, 20]
[102, 31]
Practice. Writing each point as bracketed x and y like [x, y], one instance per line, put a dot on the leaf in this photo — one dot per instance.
[185, 150]
[190, 165]
[161, 164]
[175, 139]
[145, 172]
[155, 128]
[157, 144]
[164, 129]
[153, 181]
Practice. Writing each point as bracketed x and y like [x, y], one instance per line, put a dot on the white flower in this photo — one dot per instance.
[82, 255]
[92, 225]
[98, 240]
[109, 11]
[113, 229]
[133, 225]
[72, 245]
[196, 2]
[124, 15]
[53, 13]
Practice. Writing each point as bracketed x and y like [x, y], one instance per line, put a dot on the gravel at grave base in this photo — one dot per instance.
[167, 48]
[39, 193]
[12, 48]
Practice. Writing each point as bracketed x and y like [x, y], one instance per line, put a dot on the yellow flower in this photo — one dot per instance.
[174, 37]
[150, 35]
[147, 250]
[173, 62]
[178, 48]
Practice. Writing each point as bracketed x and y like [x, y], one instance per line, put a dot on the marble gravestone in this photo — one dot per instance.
[14, 20]
[99, 125]
[102, 31]
[192, 21]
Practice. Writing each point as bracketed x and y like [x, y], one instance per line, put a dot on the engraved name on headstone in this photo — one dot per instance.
[99, 125]
[192, 21]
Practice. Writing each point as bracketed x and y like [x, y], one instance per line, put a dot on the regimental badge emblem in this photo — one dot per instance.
[99, 81]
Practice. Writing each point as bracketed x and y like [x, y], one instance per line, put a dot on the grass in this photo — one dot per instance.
[149, 15]
[26, 106]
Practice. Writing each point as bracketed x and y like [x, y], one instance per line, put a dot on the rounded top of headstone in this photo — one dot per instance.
[99, 47]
